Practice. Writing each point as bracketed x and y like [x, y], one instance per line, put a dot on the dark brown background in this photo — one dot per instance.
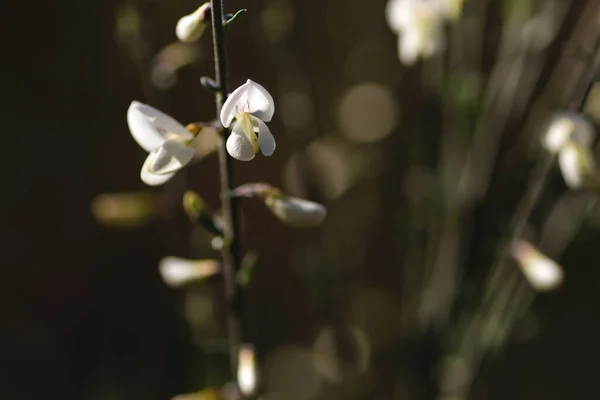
[83, 312]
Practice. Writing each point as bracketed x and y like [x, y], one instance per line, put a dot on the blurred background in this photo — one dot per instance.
[423, 169]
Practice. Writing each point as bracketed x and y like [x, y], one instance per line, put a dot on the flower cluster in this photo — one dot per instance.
[419, 25]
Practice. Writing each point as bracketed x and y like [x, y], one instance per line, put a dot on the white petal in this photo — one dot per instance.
[566, 127]
[576, 164]
[397, 13]
[542, 273]
[296, 212]
[141, 127]
[152, 179]
[246, 373]
[177, 271]
[266, 141]
[409, 48]
[250, 97]
[170, 157]
[151, 127]
[238, 145]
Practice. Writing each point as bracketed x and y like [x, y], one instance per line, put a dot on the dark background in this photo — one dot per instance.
[83, 311]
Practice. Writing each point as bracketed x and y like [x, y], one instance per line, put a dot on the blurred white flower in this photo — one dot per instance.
[542, 273]
[246, 373]
[251, 106]
[164, 138]
[296, 212]
[419, 24]
[177, 272]
[576, 163]
[565, 127]
[192, 26]
[450, 9]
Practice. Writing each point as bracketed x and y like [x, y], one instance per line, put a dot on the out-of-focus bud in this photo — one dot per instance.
[293, 211]
[124, 210]
[540, 271]
[177, 272]
[193, 205]
[170, 60]
[246, 373]
[296, 212]
[577, 164]
[192, 26]
[197, 211]
[568, 127]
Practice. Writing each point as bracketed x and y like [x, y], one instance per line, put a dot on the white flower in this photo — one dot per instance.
[451, 9]
[246, 373]
[419, 25]
[192, 26]
[177, 271]
[296, 212]
[576, 163]
[164, 138]
[541, 272]
[251, 106]
[565, 127]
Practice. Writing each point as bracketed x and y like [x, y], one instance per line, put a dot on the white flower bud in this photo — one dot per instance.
[296, 212]
[577, 164]
[177, 271]
[246, 373]
[192, 26]
[540, 271]
[567, 126]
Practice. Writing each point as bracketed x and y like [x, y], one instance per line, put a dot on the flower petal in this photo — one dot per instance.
[239, 147]
[576, 164]
[152, 179]
[296, 212]
[151, 127]
[141, 127]
[266, 141]
[170, 157]
[250, 97]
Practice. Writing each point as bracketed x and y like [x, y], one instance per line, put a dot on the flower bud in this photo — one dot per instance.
[540, 271]
[565, 127]
[192, 26]
[246, 373]
[296, 212]
[577, 164]
[177, 271]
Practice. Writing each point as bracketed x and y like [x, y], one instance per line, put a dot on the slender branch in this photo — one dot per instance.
[231, 250]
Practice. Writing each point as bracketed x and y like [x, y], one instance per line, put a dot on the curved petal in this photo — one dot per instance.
[576, 164]
[151, 127]
[250, 97]
[239, 147]
[141, 127]
[266, 141]
[397, 14]
[152, 179]
[170, 157]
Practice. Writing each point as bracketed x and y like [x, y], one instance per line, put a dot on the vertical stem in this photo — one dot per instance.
[231, 251]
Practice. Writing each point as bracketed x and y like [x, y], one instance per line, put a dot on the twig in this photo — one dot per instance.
[231, 250]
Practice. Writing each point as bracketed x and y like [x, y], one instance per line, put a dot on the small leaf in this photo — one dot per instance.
[232, 18]
[209, 84]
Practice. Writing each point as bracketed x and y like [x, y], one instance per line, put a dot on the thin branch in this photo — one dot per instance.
[231, 251]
